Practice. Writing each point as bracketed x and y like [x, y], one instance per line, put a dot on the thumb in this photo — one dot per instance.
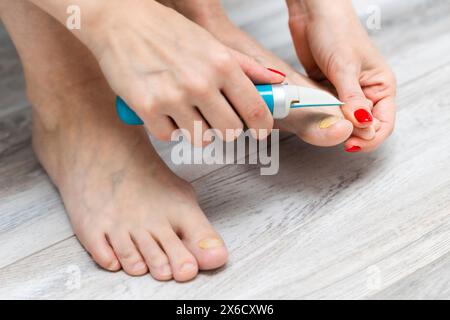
[256, 72]
[357, 107]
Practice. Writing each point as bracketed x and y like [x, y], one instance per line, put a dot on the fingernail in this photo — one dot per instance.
[165, 270]
[139, 266]
[210, 243]
[353, 149]
[363, 116]
[328, 122]
[187, 266]
[277, 72]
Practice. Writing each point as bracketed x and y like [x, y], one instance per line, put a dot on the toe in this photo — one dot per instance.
[204, 242]
[324, 130]
[98, 247]
[157, 261]
[129, 257]
[183, 263]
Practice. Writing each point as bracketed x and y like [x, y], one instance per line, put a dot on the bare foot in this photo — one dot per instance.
[126, 207]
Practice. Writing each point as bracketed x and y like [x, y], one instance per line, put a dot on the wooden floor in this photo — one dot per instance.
[329, 225]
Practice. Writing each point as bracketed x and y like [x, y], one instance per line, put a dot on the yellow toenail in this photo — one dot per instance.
[114, 265]
[328, 122]
[210, 243]
[187, 266]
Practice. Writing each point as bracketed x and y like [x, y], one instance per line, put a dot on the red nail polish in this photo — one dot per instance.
[277, 72]
[353, 149]
[363, 116]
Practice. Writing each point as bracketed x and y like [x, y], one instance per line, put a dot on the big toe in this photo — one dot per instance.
[208, 248]
[319, 128]
[204, 242]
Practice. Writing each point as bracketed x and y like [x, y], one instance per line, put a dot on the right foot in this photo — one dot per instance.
[126, 207]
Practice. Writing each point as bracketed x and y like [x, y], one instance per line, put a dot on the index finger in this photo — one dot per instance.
[248, 103]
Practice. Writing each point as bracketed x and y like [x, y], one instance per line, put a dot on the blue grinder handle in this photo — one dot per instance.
[129, 117]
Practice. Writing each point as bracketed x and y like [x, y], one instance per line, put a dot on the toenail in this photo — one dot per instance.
[138, 266]
[165, 270]
[210, 243]
[187, 266]
[114, 265]
[328, 122]
[363, 116]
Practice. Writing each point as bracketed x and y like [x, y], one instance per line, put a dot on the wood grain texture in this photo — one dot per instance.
[328, 225]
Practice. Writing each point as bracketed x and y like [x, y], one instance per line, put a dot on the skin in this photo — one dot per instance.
[351, 65]
[323, 127]
[128, 210]
[339, 51]
[126, 207]
[138, 45]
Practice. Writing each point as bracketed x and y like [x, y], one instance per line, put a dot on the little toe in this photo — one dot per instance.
[129, 257]
[98, 247]
[157, 261]
[183, 263]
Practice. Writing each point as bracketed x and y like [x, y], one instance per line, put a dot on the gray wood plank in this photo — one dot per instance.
[429, 282]
[12, 83]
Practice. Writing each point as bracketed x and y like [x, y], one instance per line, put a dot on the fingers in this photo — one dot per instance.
[219, 99]
[384, 110]
[161, 126]
[221, 116]
[256, 72]
[192, 121]
[345, 77]
[356, 144]
[245, 99]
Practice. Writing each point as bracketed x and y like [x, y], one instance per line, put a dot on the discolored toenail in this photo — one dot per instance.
[114, 265]
[210, 243]
[187, 266]
[328, 122]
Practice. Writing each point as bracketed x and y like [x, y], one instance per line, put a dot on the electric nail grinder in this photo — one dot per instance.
[279, 98]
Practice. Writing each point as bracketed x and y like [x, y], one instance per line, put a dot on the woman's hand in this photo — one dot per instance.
[171, 71]
[332, 45]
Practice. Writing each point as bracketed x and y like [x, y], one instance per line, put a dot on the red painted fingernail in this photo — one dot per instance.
[353, 149]
[363, 116]
[277, 72]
